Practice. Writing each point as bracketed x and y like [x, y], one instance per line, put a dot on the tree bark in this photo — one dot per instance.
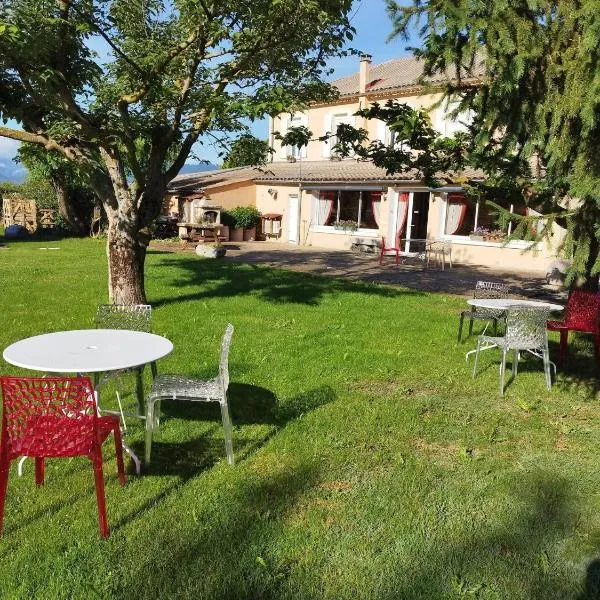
[125, 263]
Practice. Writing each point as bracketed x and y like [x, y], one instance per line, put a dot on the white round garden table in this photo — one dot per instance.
[90, 351]
[87, 351]
[506, 303]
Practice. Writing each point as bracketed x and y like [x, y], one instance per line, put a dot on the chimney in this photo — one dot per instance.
[364, 73]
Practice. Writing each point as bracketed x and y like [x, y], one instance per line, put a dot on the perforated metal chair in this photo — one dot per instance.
[439, 251]
[488, 290]
[582, 313]
[177, 387]
[55, 417]
[136, 317]
[525, 332]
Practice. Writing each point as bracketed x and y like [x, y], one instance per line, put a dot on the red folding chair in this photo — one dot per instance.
[581, 314]
[385, 249]
[55, 417]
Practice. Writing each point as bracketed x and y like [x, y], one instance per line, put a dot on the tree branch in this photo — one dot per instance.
[49, 144]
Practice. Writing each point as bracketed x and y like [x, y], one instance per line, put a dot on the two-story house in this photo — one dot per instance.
[309, 191]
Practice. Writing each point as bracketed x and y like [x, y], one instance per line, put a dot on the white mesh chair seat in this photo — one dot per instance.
[177, 387]
[525, 332]
[485, 290]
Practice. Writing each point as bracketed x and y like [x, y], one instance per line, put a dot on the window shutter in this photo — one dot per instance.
[381, 137]
[283, 151]
[303, 149]
[326, 148]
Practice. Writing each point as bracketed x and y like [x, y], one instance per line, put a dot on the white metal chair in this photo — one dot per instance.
[488, 290]
[525, 332]
[439, 251]
[136, 317]
[177, 387]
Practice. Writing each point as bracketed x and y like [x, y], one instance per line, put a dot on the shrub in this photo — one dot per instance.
[243, 217]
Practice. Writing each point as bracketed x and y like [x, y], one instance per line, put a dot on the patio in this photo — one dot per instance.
[460, 280]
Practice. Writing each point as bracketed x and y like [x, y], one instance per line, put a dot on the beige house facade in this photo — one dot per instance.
[323, 201]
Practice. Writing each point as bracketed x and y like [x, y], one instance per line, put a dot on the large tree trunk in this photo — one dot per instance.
[125, 263]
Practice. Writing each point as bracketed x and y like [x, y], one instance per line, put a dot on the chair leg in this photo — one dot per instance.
[39, 471]
[564, 342]
[397, 257]
[471, 326]
[495, 323]
[547, 372]
[227, 431]
[154, 369]
[139, 390]
[502, 369]
[149, 430]
[100, 496]
[3, 487]
[381, 255]
[119, 454]
[515, 365]
[476, 357]
[460, 326]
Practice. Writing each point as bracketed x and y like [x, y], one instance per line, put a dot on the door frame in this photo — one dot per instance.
[294, 209]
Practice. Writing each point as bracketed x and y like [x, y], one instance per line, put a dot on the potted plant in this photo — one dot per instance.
[244, 218]
[479, 234]
[347, 225]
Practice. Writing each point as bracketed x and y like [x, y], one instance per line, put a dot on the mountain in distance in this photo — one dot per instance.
[17, 173]
[197, 168]
[12, 171]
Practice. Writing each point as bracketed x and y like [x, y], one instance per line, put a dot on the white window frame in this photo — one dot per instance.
[297, 120]
[331, 229]
[451, 125]
[465, 239]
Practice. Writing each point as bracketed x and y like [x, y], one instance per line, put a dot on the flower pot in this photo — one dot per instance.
[476, 237]
[210, 251]
[224, 233]
[250, 234]
[236, 235]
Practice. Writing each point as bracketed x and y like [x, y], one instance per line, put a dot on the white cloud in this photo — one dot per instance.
[8, 148]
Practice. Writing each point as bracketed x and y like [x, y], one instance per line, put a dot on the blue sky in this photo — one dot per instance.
[373, 28]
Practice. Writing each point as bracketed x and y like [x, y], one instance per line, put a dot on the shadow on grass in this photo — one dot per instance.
[516, 556]
[228, 554]
[249, 405]
[494, 558]
[215, 279]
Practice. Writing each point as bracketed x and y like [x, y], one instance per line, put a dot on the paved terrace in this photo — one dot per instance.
[459, 280]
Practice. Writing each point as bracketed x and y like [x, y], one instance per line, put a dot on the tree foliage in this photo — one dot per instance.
[247, 150]
[125, 89]
[537, 111]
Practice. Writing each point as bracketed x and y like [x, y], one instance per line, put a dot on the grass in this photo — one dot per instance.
[370, 463]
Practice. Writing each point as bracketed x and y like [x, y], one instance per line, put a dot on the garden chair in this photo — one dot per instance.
[176, 387]
[137, 317]
[384, 249]
[485, 289]
[525, 331]
[55, 417]
[581, 314]
[439, 251]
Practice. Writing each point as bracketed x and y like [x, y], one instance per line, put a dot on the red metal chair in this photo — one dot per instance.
[55, 417]
[385, 249]
[581, 314]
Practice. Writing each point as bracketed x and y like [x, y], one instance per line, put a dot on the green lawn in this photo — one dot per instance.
[370, 463]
